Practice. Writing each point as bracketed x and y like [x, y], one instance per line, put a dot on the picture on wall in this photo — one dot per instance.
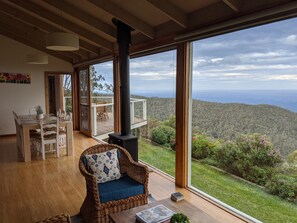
[16, 78]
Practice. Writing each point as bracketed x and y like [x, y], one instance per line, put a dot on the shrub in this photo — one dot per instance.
[227, 157]
[251, 156]
[292, 158]
[259, 149]
[146, 131]
[284, 184]
[259, 175]
[202, 147]
[163, 135]
[170, 122]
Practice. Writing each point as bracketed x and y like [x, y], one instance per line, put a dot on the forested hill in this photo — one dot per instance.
[226, 120]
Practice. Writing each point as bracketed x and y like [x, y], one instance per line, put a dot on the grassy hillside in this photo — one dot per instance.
[245, 197]
[226, 120]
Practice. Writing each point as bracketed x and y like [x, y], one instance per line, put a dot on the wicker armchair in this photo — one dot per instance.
[93, 210]
[61, 218]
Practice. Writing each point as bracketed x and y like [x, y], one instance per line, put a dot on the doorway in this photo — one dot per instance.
[58, 93]
[84, 101]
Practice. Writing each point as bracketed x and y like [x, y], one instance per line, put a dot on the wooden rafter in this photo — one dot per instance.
[83, 16]
[89, 47]
[67, 25]
[233, 4]
[125, 17]
[171, 11]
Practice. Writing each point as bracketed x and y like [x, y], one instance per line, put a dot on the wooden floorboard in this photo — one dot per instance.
[38, 189]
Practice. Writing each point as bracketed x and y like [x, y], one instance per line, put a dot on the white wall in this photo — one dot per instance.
[22, 97]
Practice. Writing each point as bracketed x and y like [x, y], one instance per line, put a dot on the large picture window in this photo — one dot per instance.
[153, 85]
[244, 135]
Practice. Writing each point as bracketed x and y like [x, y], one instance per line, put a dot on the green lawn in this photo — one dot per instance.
[245, 197]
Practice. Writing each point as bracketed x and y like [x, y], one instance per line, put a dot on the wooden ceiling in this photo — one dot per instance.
[156, 23]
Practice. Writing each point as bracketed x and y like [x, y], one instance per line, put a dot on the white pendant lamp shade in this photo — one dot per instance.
[37, 59]
[62, 41]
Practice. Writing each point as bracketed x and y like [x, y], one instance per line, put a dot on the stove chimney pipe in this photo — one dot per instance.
[124, 42]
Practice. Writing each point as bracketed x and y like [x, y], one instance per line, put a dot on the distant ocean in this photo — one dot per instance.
[286, 99]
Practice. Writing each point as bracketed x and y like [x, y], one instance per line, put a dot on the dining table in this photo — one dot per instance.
[30, 122]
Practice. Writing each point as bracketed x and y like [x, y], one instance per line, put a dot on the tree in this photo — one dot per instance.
[67, 84]
[98, 84]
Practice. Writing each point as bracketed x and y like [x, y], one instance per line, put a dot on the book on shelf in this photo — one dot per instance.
[156, 214]
[177, 196]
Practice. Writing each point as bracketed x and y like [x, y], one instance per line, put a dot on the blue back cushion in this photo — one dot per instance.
[119, 189]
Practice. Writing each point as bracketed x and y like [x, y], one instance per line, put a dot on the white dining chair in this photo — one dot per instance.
[19, 134]
[49, 135]
[62, 132]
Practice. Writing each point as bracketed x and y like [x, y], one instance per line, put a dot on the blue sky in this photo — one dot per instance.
[263, 57]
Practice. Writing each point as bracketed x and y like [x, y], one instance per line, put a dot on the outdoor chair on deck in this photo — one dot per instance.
[118, 184]
[102, 113]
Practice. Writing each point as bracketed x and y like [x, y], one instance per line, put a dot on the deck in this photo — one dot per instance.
[38, 189]
[106, 126]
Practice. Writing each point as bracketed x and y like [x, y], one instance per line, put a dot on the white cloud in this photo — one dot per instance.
[285, 77]
[215, 60]
[206, 61]
[291, 39]
[210, 46]
[267, 54]
[251, 67]
[149, 75]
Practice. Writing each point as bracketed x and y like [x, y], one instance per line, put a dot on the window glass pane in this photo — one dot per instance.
[84, 100]
[153, 101]
[102, 99]
[244, 135]
[67, 87]
[83, 79]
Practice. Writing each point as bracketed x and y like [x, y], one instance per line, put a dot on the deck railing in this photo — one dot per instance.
[138, 110]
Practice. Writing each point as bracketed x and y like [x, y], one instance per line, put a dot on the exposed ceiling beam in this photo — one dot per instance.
[89, 47]
[6, 31]
[85, 17]
[31, 34]
[125, 17]
[70, 26]
[30, 20]
[233, 4]
[46, 27]
[281, 11]
[171, 11]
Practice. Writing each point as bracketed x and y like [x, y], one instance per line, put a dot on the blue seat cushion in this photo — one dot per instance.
[119, 189]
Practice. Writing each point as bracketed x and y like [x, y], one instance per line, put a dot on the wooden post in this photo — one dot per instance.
[182, 103]
[116, 91]
[75, 99]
